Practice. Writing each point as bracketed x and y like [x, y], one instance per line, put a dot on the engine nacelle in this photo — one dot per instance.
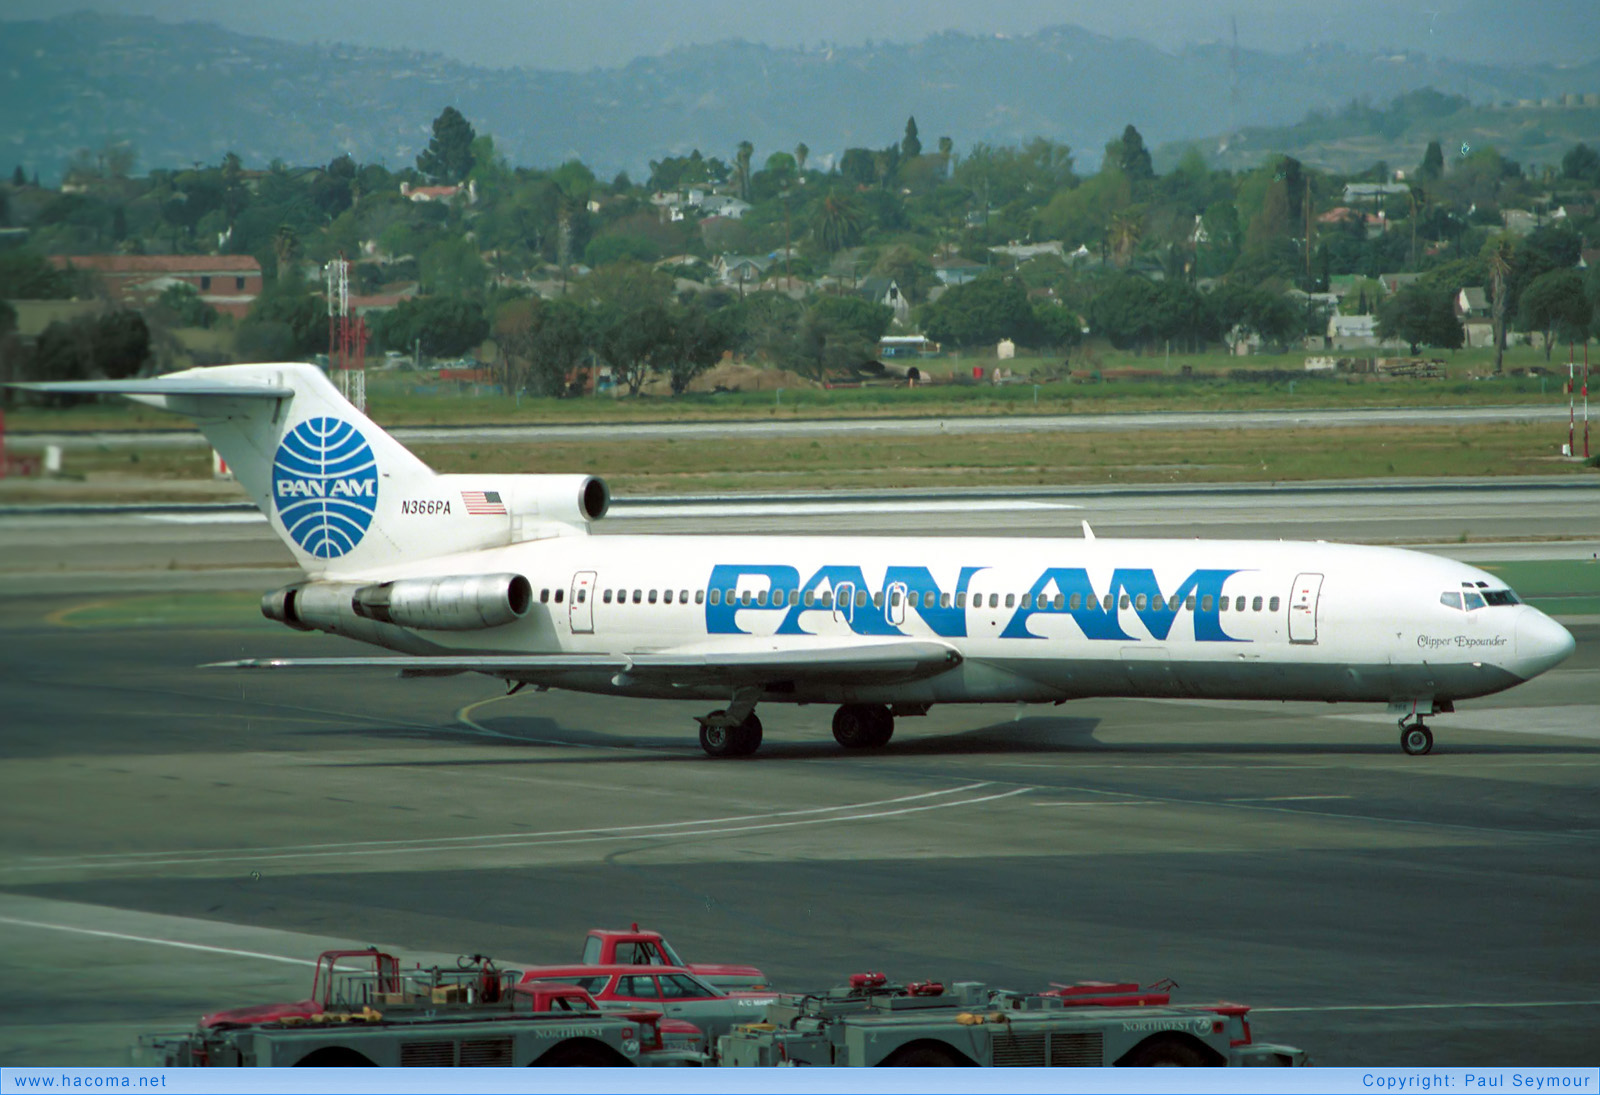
[567, 499]
[462, 602]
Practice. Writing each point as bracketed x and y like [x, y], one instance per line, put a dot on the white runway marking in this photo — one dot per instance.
[226, 518]
[1289, 798]
[690, 829]
[824, 509]
[125, 937]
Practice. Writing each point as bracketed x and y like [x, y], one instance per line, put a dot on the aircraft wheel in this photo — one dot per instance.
[719, 741]
[863, 726]
[852, 727]
[747, 736]
[1416, 740]
[882, 726]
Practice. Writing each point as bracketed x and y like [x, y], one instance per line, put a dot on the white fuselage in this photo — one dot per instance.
[1034, 620]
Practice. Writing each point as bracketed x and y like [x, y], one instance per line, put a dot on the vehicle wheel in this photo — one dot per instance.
[579, 1055]
[924, 1057]
[1167, 1053]
[852, 727]
[747, 736]
[719, 741]
[334, 1057]
[1416, 740]
[881, 726]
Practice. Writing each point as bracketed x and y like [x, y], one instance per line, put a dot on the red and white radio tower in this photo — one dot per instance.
[347, 336]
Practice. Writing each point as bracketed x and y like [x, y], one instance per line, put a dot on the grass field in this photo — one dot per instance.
[1055, 458]
[1216, 382]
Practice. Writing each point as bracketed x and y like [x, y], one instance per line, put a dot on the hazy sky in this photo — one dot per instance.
[581, 34]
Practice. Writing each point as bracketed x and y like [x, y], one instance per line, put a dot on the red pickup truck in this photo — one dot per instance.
[606, 947]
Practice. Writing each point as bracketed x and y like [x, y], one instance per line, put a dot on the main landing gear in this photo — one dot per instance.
[730, 741]
[1416, 740]
[863, 726]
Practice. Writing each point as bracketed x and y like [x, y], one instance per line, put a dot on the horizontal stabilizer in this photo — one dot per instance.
[160, 385]
[863, 663]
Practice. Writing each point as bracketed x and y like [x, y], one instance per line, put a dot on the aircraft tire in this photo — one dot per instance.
[719, 741]
[1416, 740]
[881, 726]
[852, 726]
[747, 736]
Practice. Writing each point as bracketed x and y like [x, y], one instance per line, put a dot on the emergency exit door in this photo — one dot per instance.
[1303, 600]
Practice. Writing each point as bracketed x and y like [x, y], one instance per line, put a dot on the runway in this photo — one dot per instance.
[176, 841]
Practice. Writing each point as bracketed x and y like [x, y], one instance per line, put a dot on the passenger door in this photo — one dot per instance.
[581, 604]
[1303, 599]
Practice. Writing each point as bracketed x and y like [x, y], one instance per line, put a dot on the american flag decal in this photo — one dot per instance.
[483, 502]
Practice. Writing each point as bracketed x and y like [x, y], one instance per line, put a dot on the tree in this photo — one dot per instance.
[1132, 157]
[1581, 162]
[448, 326]
[1123, 234]
[18, 178]
[28, 275]
[290, 303]
[913, 273]
[910, 145]
[448, 157]
[1499, 266]
[984, 310]
[112, 346]
[1242, 311]
[838, 334]
[859, 166]
[1556, 304]
[1127, 312]
[633, 340]
[838, 222]
[697, 339]
[285, 246]
[801, 151]
[451, 267]
[180, 306]
[1420, 314]
[742, 166]
[540, 343]
[1432, 162]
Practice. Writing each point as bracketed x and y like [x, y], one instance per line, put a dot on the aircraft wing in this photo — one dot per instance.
[160, 385]
[864, 663]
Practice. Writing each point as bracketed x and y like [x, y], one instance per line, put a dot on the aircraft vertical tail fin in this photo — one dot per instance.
[327, 477]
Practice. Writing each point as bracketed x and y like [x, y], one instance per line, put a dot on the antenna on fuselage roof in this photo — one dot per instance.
[1088, 533]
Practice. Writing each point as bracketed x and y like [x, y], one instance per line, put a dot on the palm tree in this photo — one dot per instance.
[746, 150]
[1124, 233]
[838, 222]
[285, 245]
[801, 151]
[1499, 270]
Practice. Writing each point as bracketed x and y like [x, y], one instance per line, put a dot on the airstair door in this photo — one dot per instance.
[1303, 600]
[581, 610]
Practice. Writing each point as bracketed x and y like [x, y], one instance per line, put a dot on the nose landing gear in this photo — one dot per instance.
[1416, 740]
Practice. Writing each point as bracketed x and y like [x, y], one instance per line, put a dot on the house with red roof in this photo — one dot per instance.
[228, 283]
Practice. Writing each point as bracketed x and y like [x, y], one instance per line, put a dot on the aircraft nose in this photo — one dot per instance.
[1541, 643]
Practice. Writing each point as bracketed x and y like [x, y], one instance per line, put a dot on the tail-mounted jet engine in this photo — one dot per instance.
[463, 602]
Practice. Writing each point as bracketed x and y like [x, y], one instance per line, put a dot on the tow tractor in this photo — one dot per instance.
[872, 1022]
[365, 1010]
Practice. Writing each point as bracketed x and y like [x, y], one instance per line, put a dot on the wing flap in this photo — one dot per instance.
[886, 663]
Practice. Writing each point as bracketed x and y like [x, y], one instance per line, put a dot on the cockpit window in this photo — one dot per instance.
[1472, 600]
[1450, 600]
[1501, 597]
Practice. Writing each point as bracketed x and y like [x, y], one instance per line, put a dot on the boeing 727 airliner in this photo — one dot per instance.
[497, 574]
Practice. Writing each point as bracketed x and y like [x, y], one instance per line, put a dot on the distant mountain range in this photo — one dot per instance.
[190, 92]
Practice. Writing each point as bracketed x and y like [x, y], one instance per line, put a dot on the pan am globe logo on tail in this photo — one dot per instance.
[325, 486]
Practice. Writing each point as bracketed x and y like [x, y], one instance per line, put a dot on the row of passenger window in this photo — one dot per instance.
[779, 598]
